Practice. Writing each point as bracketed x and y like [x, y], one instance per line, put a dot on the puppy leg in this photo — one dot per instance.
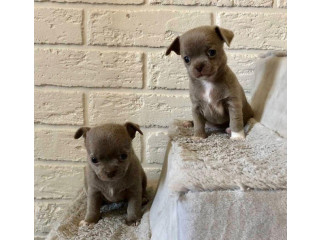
[236, 121]
[199, 124]
[144, 189]
[94, 201]
[134, 209]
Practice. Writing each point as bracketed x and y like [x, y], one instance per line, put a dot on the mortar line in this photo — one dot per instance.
[55, 126]
[52, 200]
[180, 92]
[84, 27]
[155, 7]
[143, 149]
[212, 17]
[66, 163]
[274, 4]
[139, 49]
[56, 162]
[144, 71]
[85, 109]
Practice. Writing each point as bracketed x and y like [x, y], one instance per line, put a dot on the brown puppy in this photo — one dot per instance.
[113, 172]
[216, 95]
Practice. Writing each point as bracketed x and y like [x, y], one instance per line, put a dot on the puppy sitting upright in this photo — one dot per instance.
[216, 95]
[113, 172]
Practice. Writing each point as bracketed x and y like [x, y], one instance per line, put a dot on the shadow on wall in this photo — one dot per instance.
[269, 98]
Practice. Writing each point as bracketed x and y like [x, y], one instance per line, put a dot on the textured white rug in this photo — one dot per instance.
[217, 162]
[111, 226]
[217, 188]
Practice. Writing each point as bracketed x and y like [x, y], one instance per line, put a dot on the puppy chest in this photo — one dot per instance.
[113, 194]
[212, 99]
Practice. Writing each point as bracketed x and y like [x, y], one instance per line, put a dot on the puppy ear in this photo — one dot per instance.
[81, 132]
[175, 46]
[225, 35]
[132, 128]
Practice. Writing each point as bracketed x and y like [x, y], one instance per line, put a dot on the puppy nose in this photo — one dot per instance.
[111, 174]
[200, 67]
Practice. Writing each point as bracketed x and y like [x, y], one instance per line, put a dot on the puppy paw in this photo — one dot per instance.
[132, 222]
[238, 135]
[199, 136]
[196, 138]
[187, 124]
[228, 130]
[84, 223]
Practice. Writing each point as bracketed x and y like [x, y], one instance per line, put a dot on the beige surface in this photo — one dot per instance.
[222, 189]
[269, 100]
[81, 80]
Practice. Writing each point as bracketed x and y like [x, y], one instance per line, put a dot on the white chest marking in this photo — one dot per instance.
[207, 96]
[111, 192]
[208, 87]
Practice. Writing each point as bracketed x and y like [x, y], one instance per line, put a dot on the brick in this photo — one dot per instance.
[120, 2]
[243, 65]
[57, 181]
[220, 3]
[282, 3]
[46, 214]
[58, 26]
[256, 30]
[156, 145]
[64, 67]
[143, 108]
[253, 3]
[167, 72]
[137, 144]
[58, 107]
[153, 172]
[129, 28]
[58, 144]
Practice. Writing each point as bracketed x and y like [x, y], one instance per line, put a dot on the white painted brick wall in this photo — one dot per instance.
[50, 144]
[58, 107]
[157, 142]
[141, 28]
[54, 181]
[99, 61]
[65, 67]
[256, 30]
[220, 3]
[57, 25]
[147, 109]
[125, 2]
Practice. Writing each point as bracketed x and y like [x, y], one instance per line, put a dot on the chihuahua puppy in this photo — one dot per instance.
[113, 172]
[216, 95]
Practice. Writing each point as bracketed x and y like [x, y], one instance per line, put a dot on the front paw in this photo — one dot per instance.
[187, 124]
[199, 136]
[84, 223]
[238, 135]
[132, 222]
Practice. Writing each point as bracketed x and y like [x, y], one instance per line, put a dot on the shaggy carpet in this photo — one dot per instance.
[215, 163]
[111, 226]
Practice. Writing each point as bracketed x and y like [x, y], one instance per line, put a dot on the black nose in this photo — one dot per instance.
[200, 67]
[111, 174]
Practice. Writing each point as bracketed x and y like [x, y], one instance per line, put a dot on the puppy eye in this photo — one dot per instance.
[94, 160]
[186, 59]
[211, 52]
[123, 156]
